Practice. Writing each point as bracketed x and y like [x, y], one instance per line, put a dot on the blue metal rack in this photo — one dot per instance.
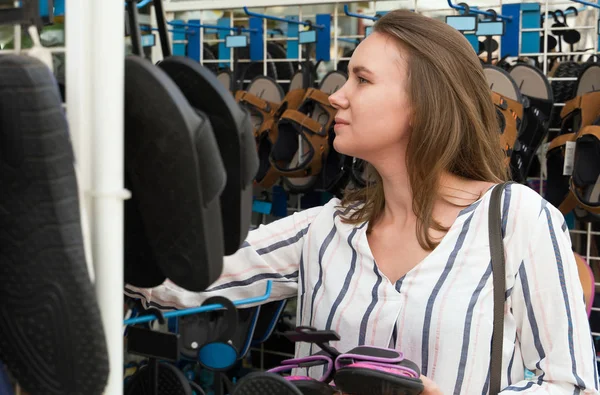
[202, 309]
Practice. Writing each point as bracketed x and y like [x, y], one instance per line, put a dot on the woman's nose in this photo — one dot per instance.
[338, 99]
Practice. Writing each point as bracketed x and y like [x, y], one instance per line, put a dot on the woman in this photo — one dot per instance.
[405, 262]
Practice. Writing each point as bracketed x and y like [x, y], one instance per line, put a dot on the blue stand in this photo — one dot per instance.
[178, 48]
[223, 50]
[292, 45]
[530, 41]
[509, 45]
[193, 47]
[257, 49]
[323, 49]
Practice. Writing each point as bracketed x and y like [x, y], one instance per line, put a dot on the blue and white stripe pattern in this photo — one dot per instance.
[440, 313]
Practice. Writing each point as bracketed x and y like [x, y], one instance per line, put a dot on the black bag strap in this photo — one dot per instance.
[498, 274]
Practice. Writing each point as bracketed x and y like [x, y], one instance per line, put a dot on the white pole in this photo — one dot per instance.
[107, 51]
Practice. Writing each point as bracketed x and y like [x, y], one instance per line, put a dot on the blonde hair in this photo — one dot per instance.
[454, 126]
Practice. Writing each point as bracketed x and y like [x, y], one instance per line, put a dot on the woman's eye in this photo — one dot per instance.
[362, 80]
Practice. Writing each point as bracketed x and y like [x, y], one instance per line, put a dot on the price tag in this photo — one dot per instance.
[569, 158]
[236, 41]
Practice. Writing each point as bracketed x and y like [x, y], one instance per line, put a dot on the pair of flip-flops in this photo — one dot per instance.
[523, 99]
[293, 130]
[189, 164]
[578, 188]
[363, 370]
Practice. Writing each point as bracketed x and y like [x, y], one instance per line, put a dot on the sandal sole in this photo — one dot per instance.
[49, 317]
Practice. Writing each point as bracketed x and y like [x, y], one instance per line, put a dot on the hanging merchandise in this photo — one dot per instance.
[233, 132]
[313, 122]
[572, 157]
[262, 98]
[563, 90]
[49, 315]
[539, 102]
[508, 101]
[167, 219]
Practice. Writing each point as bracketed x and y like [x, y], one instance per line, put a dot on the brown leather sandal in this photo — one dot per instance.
[312, 122]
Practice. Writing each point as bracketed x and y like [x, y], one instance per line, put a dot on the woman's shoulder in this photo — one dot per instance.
[525, 212]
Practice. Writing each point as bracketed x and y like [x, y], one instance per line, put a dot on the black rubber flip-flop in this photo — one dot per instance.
[233, 132]
[534, 86]
[265, 383]
[49, 315]
[171, 381]
[176, 174]
[371, 370]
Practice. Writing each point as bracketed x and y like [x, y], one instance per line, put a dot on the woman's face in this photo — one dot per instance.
[373, 114]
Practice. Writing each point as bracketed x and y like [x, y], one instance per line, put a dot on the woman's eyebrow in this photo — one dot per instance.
[363, 69]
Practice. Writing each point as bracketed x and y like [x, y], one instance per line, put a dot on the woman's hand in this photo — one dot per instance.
[431, 388]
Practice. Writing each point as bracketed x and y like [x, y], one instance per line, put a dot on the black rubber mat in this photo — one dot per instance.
[265, 384]
[49, 316]
[171, 381]
[176, 174]
[233, 133]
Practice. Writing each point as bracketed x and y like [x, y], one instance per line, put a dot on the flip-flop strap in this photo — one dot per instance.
[318, 96]
[388, 368]
[588, 206]
[561, 140]
[512, 112]
[355, 358]
[309, 361]
[259, 104]
[586, 103]
[313, 133]
[294, 99]
[304, 121]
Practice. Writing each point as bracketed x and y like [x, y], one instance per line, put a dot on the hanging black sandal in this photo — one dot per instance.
[49, 315]
[535, 87]
[233, 133]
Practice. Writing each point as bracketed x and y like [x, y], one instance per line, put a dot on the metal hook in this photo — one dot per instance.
[573, 9]
[461, 8]
[465, 7]
[216, 27]
[595, 5]
[279, 19]
[143, 3]
[494, 14]
[361, 16]
[559, 12]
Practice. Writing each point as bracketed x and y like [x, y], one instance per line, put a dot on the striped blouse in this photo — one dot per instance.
[440, 313]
